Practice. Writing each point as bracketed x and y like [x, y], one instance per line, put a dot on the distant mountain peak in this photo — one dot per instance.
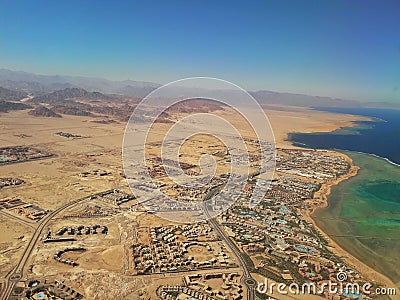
[67, 93]
[11, 95]
[42, 111]
[34, 83]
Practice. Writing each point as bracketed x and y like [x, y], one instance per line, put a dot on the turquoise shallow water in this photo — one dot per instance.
[363, 215]
[364, 212]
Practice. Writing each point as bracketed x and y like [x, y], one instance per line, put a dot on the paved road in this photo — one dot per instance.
[8, 215]
[236, 251]
[18, 271]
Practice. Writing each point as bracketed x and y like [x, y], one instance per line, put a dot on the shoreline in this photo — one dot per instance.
[367, 271]
[316, 205]
[370, 154]
[344, 150]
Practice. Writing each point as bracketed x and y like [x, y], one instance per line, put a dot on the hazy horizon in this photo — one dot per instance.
[160, 84]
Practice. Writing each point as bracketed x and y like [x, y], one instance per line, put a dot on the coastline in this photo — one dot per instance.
[369, 142]
[351, 260]
[347, 251]
[286, 120]
[370, 154]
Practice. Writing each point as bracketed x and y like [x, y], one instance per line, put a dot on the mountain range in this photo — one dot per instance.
[11, 95]
[40, 84]
[16, 85]
[69, 93]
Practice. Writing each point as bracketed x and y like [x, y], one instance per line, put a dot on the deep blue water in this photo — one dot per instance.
[380, 137]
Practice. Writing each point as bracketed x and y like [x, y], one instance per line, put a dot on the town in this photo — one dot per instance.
[276, 238]
[17, 154]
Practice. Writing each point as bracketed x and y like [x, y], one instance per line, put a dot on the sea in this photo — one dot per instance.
[363, 213]
[380, 137]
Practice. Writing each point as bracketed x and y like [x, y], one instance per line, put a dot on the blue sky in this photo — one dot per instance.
[348, 49]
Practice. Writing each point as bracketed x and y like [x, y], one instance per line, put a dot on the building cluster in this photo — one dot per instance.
[58, 255]
[182, 198]
[194, 232]
[68, 233]
[287, 246]
[20, 208]
[31, 211]
[170, 250]
[48, 289]
[92, 211]
[195, 195]
[291, 189]
[20, 154]
[81, 229]
[114, 197]
[69, 135]
[8, 181]
[8, 203]
[185, 197]
[311, 164]
[196, 287]
[285, 189]
[95, 173]
[156, 166]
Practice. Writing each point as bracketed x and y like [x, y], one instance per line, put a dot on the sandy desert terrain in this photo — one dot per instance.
[55, 181]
